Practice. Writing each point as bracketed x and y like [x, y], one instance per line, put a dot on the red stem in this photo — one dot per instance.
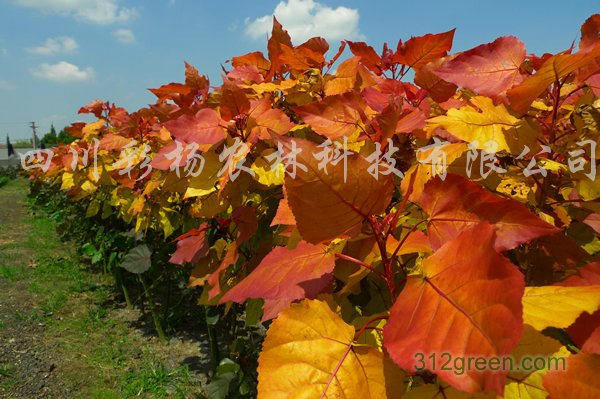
[359, 262]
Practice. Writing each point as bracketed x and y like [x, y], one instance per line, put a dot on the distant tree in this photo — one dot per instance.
[22, 143]
[65, 138]
[50, 139]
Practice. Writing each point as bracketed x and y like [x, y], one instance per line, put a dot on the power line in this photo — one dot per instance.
[33, 126]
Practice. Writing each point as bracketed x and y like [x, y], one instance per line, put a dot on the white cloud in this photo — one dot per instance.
[52, 46]
[304, 19]
[101, 12]
[63, 72]
[5, 85]
[4, 52]
[124, 36]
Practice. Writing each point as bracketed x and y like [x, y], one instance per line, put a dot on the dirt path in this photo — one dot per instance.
[63, 335]
[27, 364]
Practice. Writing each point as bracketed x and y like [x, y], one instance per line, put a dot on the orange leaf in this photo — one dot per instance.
[201, 128]
[467, 288]
[324, 205]
[419, 51]
[171, 90]
[579, 380]
[265, 120]
[456, 204]
[233, 101]
[284, 214]
[286, 275]
[309, 353]
[344, 78]
[489, 69]
[592, 345]
[230, 258]
[555, 68]
[590, 32]
[438, 89]
[191, 247]
[112, 142]
[278, 37]
[368, 56]
[256, 59]
[334, 116]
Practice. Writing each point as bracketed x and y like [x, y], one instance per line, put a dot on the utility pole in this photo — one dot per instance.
[33, 126]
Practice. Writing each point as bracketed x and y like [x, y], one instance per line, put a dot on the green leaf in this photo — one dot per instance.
[137, 260]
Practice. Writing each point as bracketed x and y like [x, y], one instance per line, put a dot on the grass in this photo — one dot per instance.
[6, 372]
[101, 356]
[154, 378]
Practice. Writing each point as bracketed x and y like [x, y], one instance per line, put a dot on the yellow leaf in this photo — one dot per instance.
[423, 170]
[344, 78]
[557, 306]
[267, 173]
[588, 189]
[90, 130]
[204, 183]
[309, 352]
[165, 222]
[533, 345]
[261, 88]
[67, 181]
[514, 186]
[490, 123]
[551, 165]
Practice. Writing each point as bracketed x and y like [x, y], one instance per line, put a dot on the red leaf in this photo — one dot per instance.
[190, 249]
[456, 204]
[162, 162]
[230, 258]
[233, 101]
[256, 59]
[171, 90]
[590, 32]
[554, 68]
[264, 120]
[583, 327]
[587, 275]
[247, 222]
[95, 107]
[286, 275]
[411, 120]
[419, 51]
[592, 345]
[326, 205]
[278, 37]
[334, 116]
[245, 73]
[578, 380]
[438, 89]
[196, 81]
[368, 56]
[466, 288]
[308, 55]
[202, 128]
[284, 214]
[489, 69]
[112, 141]
[75, 129]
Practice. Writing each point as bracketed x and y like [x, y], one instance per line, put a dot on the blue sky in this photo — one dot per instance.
[57, 55]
